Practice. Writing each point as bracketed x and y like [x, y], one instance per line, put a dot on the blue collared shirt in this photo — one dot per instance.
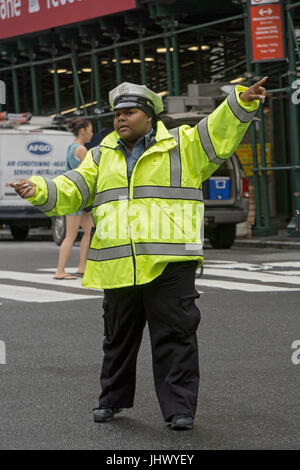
[139, 148]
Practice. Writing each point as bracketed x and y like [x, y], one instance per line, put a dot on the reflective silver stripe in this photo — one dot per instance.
[52, 196]
[206, 142]
[238, 111]
[175, 160]
[105, 254]
[111, 195]
[165, 192]
[173, 249]
[79, 180]
[96, 154]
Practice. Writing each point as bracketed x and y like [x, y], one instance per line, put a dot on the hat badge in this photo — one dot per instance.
[123, 89]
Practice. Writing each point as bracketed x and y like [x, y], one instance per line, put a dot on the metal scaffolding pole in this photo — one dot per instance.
[78, 95]
[15, 87]
[143, 63]
[118, 66]
[97, 84]
[34, 87]
[283, 129]
[258, 224]
[264, 177]
[168, 66]
[294, 119]
[75, 79]
[56, 89]
[175, 56]
[118, 58]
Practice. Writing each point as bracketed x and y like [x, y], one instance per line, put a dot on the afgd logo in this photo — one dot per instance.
[39, 148]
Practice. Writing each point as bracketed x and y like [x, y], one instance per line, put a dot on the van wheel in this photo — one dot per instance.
[58, 229]
[223, 236]
[19, 232]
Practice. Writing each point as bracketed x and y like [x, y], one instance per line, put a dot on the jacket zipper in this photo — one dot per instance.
[128, 183]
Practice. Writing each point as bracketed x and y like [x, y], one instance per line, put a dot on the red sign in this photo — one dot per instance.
[26, 16]
[267, 32]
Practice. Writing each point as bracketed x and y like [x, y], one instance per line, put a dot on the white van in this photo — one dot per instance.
[26, 150]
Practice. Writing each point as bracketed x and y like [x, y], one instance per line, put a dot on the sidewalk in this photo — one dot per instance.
[279, 241]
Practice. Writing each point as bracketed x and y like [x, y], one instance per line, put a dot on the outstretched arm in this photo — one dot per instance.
[217, 136]
[66, 193]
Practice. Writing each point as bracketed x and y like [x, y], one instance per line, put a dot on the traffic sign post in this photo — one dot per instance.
[267, 30]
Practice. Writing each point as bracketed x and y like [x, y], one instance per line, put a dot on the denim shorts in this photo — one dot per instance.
[77, 213]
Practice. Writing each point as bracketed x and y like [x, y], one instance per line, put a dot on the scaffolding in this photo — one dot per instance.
[166, 60]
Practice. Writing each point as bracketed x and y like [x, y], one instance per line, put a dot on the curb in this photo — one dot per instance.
[276, 244]
[239, 243]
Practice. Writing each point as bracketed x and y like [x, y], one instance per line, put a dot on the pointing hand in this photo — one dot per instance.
[25, 188]
[255, 92]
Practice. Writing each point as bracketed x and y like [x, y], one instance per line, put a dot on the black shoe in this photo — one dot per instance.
[102, 415]
[181, 422]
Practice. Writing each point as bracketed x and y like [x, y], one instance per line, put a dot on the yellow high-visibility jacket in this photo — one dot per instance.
[157, 217]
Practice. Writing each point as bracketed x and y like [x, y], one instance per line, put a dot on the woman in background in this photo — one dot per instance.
[83, 132]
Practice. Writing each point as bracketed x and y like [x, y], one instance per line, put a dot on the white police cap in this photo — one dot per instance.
[130, 95]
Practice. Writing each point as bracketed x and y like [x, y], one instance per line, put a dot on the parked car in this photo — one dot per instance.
[223, 214]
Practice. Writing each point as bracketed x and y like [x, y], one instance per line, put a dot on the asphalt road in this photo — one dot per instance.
[249, 395]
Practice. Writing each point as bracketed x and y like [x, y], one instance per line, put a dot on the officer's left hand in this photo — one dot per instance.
[255, 92]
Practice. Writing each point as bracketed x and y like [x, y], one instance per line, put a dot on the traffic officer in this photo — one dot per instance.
[144, 183]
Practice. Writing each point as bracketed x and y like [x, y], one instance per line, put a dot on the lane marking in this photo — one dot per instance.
[244, 266]
[292, 264]
[287, 273]
[243, 286]
[217, 261]
[253, 276]
[32, 294]
[41, 279]
[53, 270]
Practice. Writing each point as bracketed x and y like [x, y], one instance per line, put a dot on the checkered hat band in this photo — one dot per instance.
[139, 100]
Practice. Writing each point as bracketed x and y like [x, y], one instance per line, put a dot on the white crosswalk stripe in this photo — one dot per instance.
[39, 278]
[230, 275]
[246, 287]
[218, 274]
[253, 276]
[34, 293]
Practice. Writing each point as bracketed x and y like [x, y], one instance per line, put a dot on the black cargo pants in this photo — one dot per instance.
[168, 305]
